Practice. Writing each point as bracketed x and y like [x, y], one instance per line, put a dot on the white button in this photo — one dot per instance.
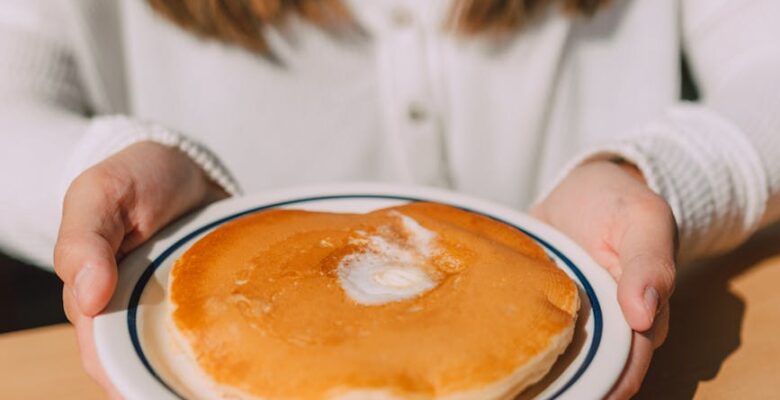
[416, 112]
[401, 17]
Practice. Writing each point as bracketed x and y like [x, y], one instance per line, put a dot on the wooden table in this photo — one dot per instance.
[42, 364]
[724, 341]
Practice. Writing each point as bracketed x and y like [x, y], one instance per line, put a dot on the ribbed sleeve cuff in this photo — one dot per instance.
[704, 167]
[108, 135]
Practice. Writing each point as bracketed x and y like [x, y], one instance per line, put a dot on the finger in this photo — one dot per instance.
[68, 304]
[646, 256]
[661, 327]
[635, 370]
[91, 232]
[90, 271]
[89, 360]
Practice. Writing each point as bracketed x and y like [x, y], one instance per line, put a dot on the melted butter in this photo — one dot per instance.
[391, 265]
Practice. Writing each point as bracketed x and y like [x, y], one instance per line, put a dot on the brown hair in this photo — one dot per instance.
[239, 21]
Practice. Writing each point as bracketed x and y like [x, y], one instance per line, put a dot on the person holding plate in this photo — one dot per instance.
[119, 117]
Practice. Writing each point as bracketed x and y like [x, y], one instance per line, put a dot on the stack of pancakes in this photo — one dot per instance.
[417, 301]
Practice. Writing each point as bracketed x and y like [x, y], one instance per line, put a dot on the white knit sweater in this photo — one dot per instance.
[406, 102]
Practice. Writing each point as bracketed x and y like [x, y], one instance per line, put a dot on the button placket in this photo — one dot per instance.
[416, 114]
[411, 111]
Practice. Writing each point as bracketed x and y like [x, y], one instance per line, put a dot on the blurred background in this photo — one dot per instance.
[29, 296]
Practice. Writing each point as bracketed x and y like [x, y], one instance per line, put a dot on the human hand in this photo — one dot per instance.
[630, 231]
[108, 211]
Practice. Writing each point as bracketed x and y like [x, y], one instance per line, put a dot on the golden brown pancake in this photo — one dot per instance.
[417, 301]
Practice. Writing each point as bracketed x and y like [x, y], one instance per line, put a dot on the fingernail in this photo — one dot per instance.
[84, 279]
[651, 301]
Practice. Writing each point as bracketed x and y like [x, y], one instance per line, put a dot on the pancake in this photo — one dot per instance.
[419, 301]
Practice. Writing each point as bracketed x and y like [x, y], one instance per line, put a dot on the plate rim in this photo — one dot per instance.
[192, 227]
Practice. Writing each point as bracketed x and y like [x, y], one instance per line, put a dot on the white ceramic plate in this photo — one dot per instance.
[143, 363]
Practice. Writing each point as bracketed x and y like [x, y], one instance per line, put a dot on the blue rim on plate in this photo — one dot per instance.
[138, 289]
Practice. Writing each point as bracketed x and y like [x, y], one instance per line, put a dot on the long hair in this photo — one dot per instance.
[239, 22]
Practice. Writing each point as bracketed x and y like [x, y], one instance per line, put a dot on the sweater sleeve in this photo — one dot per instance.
[48, 136]
[717, 162]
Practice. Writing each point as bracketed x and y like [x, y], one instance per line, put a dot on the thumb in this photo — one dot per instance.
[91, 231]
[646, 256]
